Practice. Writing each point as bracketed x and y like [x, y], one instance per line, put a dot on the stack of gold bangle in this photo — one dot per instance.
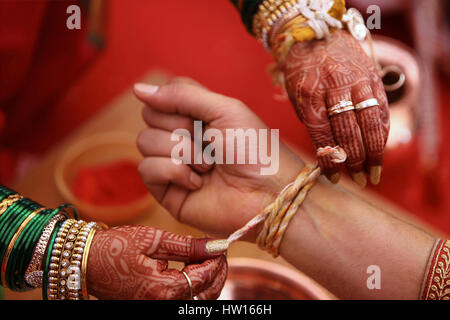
[67, 275]
[269, 12]
[273, 15]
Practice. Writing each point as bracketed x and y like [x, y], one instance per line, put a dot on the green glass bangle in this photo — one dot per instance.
[9, 234]
[25, 258]
[22, 253]
[13, 212]
[23, 248]
[4, 195]
[47, 256]
[8, 229]
[18, 205]
[10, 225]
[16, 213]
[17, 252]
[6, 191]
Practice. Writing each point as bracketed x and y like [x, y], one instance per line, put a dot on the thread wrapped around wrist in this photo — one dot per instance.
[284, 208]
[277, 216]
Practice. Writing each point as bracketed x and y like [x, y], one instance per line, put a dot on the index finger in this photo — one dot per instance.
[183, 98]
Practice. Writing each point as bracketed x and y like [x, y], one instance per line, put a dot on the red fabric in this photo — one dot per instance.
[206, 40]
[40, 58]
[8, 162]
[2, 121]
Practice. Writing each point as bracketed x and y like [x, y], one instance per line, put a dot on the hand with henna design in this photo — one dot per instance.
[130, 262]
[320, 74]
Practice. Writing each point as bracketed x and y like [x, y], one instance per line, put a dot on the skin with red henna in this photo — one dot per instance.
[320, 74]
[130, 262]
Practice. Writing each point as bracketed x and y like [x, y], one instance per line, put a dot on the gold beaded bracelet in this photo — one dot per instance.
[52, 289]
[66, 256]
[74, 281]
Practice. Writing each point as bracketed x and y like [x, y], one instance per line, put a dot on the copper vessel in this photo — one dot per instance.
[402, 61]
[254, 279]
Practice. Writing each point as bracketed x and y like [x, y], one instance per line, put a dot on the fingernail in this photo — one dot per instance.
[145, 89]
[375, 174]
[360, 179]
[334, 178]
[216, 246]
[196, 180]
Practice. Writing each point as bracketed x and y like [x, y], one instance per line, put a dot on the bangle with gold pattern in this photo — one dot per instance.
[64, 269]
[73, 284]
[55, 259]
[436, 284]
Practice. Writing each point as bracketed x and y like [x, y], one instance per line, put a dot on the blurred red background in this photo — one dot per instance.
[53, 79]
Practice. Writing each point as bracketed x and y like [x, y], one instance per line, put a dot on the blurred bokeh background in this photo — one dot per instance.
[53, 80]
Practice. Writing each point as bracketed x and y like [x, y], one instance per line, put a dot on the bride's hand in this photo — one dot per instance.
[130, 262]
[320, 74]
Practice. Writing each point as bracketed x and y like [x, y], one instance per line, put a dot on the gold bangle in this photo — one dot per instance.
[66, 255]
[56, 251]
[273, 15]
[7, 202]
[87, 248]
[75, 291]
[13, 242]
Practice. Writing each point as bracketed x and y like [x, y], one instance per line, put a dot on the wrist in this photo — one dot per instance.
[289, 167]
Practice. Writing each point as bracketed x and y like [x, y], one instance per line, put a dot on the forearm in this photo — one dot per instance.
[336, 236]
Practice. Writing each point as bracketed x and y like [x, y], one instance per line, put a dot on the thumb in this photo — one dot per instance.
[175, 247]
[183, 98]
